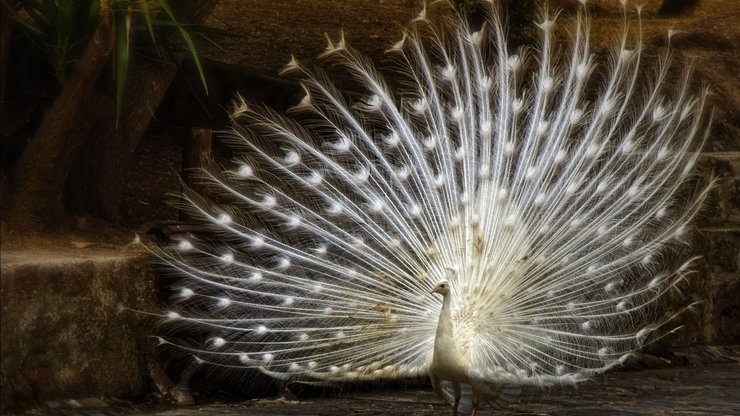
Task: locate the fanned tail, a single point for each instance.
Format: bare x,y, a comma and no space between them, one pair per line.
546,189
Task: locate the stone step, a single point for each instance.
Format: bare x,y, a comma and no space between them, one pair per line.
62,330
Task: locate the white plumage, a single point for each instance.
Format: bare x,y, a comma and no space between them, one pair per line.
536,191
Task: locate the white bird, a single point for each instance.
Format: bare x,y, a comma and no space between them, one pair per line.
537,191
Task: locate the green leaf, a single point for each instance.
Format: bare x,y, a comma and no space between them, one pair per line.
60,29
21,21
122,54
149,20
188,40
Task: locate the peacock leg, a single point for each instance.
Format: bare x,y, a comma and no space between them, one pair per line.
476,399
435,385
456,389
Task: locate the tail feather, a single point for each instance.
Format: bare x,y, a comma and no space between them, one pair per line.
549,198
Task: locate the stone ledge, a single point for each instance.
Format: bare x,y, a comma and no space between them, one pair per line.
63,332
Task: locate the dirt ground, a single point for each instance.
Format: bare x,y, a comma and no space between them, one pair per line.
704,390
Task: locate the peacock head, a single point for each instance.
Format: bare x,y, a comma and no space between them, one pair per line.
442,287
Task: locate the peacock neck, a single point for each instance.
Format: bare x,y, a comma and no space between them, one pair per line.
444,324
447,361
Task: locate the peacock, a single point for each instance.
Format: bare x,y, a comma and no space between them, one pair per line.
490,217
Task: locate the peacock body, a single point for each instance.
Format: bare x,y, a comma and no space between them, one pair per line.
536,193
